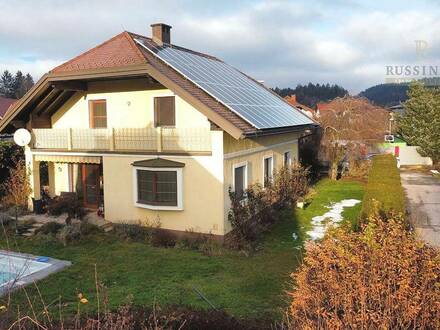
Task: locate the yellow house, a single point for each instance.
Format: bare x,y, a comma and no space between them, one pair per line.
143,129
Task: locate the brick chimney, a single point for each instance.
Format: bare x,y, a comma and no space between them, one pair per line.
161,33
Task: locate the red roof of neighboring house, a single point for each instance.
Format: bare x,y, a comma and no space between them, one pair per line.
5,103
322,106
291,99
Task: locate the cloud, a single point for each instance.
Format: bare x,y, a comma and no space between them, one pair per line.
281,42
36,68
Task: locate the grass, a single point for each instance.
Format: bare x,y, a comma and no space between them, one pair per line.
246,286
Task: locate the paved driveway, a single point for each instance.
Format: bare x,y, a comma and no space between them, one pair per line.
423,193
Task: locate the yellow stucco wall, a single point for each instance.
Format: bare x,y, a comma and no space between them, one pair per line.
202,192
61,177
128,106
206,179
233,145
253,153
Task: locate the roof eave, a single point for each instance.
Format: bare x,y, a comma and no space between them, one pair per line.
280,130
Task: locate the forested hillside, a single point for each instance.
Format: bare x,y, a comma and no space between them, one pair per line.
311,94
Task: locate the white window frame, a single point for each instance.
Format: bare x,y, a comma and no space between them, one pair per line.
290,157
165,94
271,170
236,165
178,207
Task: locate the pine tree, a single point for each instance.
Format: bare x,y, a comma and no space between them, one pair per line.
7,85
28,82
19,89
420,124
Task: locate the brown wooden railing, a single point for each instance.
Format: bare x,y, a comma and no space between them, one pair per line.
123,139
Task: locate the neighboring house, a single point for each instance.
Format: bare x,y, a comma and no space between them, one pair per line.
291,99
406,154
5,103
147,129
399,109
321,107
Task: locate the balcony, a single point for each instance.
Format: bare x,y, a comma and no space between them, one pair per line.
157,140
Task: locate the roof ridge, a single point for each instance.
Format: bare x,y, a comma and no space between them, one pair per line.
127,34
123,33
178,47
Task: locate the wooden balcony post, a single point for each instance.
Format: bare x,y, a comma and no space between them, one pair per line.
112,139
159,138
69,139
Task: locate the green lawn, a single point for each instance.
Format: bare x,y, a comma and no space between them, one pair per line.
245,286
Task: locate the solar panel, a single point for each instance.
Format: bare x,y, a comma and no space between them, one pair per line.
241,94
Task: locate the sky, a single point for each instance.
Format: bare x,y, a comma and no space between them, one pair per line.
284,43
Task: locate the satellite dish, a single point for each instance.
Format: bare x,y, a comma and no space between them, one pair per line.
22,137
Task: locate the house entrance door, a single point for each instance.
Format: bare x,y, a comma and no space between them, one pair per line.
91,185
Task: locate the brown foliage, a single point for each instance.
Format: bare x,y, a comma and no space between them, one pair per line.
379,278
349,126
253,215
17,186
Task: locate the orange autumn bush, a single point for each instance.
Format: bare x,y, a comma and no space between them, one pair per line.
379,278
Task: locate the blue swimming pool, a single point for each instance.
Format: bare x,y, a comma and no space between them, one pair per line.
6,277
18,269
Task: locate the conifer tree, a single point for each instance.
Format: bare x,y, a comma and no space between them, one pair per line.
19,89
420,124
7,85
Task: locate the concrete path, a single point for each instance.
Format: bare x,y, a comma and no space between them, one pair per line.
423,194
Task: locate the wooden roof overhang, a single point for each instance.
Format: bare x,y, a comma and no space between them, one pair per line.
54,89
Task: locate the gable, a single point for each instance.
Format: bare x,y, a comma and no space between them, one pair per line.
115,52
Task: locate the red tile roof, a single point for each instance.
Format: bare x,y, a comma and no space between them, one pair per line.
115,52
291,99
322,106
5,103
122,51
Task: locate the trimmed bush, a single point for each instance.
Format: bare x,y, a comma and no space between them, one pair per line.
383,188
69,234
68,203
163,238
51,227
87,228
379,278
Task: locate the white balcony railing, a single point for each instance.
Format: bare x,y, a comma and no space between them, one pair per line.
124,139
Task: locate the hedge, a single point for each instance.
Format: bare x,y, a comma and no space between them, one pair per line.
384,186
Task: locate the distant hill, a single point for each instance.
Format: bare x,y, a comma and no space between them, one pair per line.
386,95
311,94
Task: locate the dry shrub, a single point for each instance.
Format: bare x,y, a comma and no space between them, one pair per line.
257,212
379,278
17,187
359,169
290,183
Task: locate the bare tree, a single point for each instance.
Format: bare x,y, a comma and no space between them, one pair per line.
350,126
18,187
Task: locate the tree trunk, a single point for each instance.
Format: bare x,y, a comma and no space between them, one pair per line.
333,171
